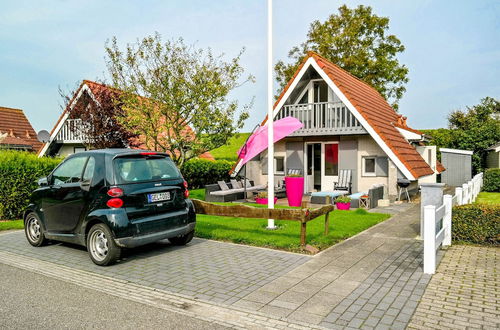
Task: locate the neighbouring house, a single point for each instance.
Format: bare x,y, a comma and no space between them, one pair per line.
67,138
347,125
458,165
16,131
493,156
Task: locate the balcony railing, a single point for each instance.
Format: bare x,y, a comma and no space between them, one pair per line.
324,118
72,132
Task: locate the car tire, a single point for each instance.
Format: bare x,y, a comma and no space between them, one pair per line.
101,245
33,230
182,240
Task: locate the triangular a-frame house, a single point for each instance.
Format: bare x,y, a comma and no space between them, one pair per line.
347,125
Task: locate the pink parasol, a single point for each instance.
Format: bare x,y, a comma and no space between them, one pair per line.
257,142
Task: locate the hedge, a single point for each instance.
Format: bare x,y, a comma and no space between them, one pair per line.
200,172
492,180
476,223
19,173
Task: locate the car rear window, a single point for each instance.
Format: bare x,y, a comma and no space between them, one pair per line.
136,169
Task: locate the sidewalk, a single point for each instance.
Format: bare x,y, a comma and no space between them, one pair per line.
372,280
464,292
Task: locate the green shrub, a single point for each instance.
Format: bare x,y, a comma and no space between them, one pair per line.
476,223
492,180
19,173
200,172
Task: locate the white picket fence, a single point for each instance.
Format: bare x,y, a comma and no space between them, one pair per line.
437,219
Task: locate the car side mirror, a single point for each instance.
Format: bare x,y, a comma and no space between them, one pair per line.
85,185
43,182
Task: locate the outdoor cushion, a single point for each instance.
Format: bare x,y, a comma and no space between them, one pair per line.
257,187
357,195
332,194
222,185
236,184
226,192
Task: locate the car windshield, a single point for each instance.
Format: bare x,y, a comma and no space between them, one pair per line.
135,169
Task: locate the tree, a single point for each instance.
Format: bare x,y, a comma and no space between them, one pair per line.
176,96
357,41
100,120
476,129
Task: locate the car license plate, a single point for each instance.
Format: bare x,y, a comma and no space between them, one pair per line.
164,196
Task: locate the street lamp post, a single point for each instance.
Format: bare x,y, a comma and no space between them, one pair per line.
270,115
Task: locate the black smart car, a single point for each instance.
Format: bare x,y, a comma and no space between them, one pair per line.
111,199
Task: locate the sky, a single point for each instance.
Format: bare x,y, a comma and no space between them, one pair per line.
452,47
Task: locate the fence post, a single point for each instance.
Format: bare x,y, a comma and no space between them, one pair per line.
430,239
448,206
471,193
458,192
465,197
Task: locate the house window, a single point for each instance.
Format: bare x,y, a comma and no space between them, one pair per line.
368,166
279,165
331,159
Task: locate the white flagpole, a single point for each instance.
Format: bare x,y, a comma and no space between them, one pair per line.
270,117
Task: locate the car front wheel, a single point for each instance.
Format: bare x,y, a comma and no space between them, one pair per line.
33,230
101,246
182,240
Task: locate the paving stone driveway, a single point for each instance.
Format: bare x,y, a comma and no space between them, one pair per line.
464,293
208,270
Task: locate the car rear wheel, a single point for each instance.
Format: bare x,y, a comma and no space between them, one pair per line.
182,240
34,230
101,246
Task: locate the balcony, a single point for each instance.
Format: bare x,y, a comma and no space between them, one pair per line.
71,132
324,118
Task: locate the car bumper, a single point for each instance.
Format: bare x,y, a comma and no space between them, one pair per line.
133,241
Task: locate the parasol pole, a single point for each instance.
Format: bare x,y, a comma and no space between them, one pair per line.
270,116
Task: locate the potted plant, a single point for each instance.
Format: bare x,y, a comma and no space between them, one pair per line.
294,184
262,198
343,202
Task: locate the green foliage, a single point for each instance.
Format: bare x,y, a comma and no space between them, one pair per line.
229,151
287,236
343,199
179,85
476,128
19,172
358,41
476,223
200,172
492,180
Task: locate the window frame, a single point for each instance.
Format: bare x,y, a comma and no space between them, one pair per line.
276,172
51,178
363,166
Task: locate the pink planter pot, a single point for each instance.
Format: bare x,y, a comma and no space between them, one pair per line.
264,200
294,190
343,206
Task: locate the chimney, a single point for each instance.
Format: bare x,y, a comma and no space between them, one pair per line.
28,134
11,133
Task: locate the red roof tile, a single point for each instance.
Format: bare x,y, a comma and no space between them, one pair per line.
16,125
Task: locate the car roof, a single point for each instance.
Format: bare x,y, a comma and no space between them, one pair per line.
118,151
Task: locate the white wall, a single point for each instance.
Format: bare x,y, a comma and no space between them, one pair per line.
368,147
424,152
68,149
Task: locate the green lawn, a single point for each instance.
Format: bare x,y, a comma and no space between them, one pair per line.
488,198
14,224
343,224
229,150
197,194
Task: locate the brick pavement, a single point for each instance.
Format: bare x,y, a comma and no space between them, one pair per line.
208,270
373,280
464,293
